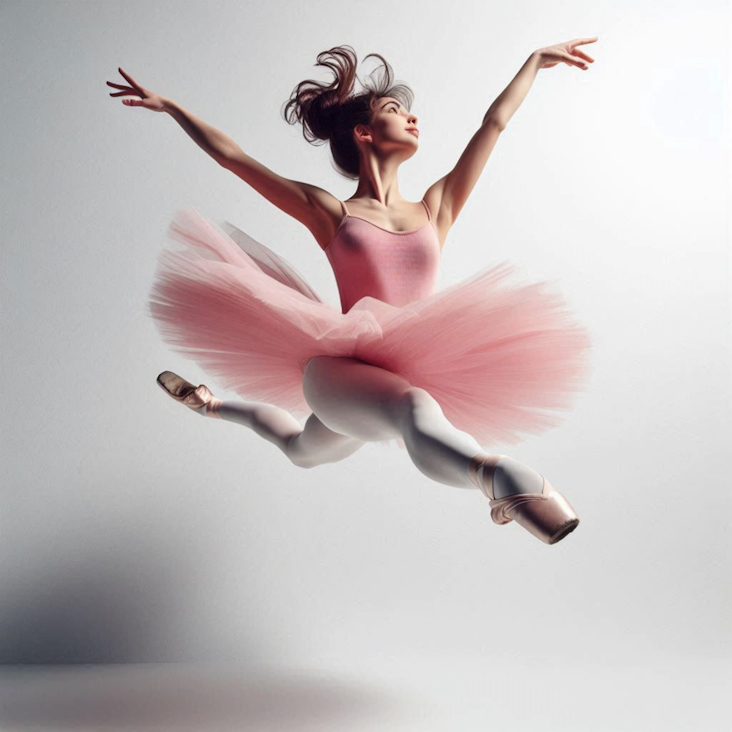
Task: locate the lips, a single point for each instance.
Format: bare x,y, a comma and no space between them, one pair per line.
414,131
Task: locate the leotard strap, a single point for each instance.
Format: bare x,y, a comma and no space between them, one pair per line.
429,213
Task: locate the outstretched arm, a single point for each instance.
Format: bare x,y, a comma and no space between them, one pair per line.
455,187
208,138
299,200
509,100
211,140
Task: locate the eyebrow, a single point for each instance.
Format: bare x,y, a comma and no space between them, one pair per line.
391,101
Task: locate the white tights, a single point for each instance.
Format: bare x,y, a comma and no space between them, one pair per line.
355,402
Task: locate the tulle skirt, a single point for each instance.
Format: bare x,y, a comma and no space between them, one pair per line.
500,356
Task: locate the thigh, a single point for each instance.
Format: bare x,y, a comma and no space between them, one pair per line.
355,398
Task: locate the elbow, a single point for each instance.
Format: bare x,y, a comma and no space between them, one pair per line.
223,160
494,121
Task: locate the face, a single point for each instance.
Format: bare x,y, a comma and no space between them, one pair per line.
392,127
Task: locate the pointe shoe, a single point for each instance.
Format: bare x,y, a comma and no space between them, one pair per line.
198,398
547,515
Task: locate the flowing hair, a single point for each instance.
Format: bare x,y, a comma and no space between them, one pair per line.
329,112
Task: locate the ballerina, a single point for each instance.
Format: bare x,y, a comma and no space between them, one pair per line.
437,371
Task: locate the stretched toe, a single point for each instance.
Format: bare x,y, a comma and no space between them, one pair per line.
518,493
175,385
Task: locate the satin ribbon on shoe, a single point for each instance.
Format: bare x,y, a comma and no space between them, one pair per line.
201,399
212,403
481,470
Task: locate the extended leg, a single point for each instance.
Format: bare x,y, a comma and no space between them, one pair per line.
354,402
307,447
371,404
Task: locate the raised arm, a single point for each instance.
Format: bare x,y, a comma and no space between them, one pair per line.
293,197
453,189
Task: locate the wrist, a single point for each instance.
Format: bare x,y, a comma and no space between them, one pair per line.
169,105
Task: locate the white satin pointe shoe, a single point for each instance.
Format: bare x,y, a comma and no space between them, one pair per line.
198,398
548,515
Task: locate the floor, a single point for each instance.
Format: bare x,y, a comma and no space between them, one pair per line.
421,695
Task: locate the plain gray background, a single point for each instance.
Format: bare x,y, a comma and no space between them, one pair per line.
134,532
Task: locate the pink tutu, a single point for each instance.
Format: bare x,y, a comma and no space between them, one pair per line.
499,357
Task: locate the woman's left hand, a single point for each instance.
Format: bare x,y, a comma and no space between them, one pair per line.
566,53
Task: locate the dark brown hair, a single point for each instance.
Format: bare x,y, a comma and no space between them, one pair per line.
329,112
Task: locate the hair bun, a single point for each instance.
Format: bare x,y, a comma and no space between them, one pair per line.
329,112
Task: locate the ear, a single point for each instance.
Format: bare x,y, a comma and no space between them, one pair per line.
363,133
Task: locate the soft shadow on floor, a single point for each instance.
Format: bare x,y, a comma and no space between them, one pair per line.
202,697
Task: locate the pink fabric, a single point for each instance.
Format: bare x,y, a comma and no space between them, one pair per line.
499,356
396,267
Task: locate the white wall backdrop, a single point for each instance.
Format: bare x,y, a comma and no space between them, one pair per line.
135,532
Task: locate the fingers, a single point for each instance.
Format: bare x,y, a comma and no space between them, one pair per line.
572,48
133,83
582,41
571,60
126,90
135,88
583,55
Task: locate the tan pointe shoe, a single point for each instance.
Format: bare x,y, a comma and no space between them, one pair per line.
547,515
198,398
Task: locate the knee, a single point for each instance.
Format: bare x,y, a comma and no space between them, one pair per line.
416,399
297,457
417,403
302,462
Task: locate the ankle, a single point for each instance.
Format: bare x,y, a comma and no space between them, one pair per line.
498,476
511,477
212,408
481,469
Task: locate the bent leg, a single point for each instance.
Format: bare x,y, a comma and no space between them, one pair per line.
306,447
371,404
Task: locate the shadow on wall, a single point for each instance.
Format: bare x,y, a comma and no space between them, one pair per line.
122,598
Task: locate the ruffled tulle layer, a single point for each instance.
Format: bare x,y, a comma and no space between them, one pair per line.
499,356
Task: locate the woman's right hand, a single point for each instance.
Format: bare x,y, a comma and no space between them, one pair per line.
147,99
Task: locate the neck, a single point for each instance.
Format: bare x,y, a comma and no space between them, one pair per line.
379,181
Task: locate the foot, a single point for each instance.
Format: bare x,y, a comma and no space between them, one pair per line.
198,398
517,492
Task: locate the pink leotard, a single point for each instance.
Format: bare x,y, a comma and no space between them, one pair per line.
494,353
397,267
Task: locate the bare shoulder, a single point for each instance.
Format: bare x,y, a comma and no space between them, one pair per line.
312,206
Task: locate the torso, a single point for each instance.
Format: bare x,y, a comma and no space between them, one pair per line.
409,217
391,265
